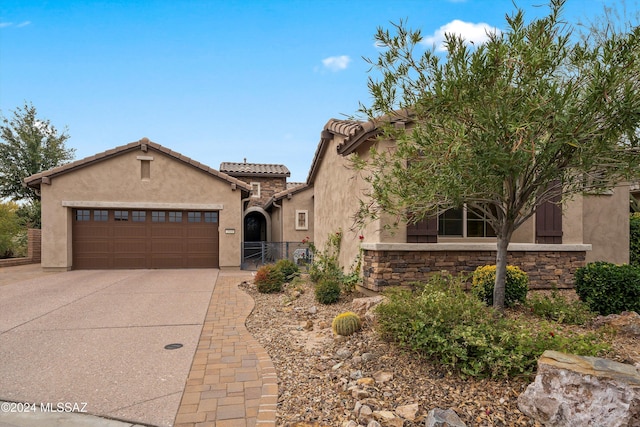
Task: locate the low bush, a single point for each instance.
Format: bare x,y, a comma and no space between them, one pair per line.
441,322
327,291
608,288
557,308
269,279
288,268
516,284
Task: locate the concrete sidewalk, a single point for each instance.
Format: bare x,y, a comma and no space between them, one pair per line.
98,338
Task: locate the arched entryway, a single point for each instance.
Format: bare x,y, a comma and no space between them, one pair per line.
255,227
256,234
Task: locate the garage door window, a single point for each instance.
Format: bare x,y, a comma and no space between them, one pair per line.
83,215
175,216
211,217
158,216
138,216
121,215
101,216
194,216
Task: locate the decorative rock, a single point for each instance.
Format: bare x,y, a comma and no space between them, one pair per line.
365,381
361,306
368,357
337,366
387,418
312,310
365,411
627,322
308,326
443,418
587,391
373,423
350,423
323,325
355,375
382,377
356,360
358,393
343,353
408,412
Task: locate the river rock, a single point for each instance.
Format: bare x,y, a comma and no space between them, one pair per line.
582,391
408,412
443,418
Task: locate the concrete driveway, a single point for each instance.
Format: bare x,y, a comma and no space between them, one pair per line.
97,339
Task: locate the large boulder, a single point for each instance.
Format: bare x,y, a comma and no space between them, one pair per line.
627,322
574,390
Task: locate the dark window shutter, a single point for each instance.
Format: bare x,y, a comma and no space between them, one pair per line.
549,222
425,231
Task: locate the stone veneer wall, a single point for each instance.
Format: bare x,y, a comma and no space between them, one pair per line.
34,250
546,268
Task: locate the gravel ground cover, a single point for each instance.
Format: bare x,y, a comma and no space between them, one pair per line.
325,380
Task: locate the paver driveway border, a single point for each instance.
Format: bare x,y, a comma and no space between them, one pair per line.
232,382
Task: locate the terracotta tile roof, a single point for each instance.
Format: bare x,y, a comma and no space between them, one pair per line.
254,169
298,187
354,133
144,145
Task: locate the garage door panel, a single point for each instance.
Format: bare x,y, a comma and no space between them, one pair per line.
143,243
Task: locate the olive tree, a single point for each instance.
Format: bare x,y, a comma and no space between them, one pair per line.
502,127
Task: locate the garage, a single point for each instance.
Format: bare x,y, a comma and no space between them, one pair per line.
127,238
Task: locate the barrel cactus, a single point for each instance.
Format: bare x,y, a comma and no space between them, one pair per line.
346,324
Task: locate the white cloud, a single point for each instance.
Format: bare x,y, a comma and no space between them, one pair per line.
11,24
23,24
470,32
336,63
5,24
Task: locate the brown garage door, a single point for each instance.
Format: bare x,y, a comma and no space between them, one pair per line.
111,239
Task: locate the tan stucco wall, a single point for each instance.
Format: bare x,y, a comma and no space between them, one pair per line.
337,192
118,179
572,220
606,226
302,200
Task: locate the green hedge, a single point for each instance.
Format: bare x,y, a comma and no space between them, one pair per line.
609,288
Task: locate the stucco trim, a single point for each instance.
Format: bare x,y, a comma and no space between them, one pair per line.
142,205
522,247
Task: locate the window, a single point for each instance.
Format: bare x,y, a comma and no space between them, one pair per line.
158,216
175,216
211,217
83,215
101,216
194,216
145,170
302,222
121,215
138,216
255,189
464,222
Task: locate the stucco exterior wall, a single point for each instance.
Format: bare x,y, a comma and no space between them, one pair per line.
606,226
302,200
337,192
119,180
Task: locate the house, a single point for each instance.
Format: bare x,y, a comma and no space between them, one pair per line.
142,205
549,247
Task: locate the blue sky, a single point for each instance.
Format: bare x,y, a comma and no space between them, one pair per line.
218,81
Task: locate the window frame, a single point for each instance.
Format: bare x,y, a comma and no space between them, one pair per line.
255,189
305,226
465,225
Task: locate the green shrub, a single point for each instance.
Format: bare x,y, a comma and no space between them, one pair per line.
559,309
288,268
516,284
608,288
327,291
269,279
346,324
442,323
634,239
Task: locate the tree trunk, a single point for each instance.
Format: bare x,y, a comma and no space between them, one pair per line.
501,274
